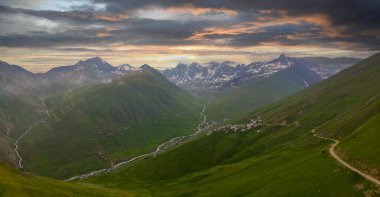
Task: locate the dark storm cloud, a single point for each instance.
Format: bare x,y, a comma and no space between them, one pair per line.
70,16
358,19
134,31
360,13
44,39
354,22
341,12
291,35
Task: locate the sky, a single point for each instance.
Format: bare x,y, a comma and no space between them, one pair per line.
42,34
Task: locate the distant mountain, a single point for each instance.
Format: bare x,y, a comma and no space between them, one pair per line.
326,67
95,64
94,70
238,101
215,75
124,69
15,79
197,76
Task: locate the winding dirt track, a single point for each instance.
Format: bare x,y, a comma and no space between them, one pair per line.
336,157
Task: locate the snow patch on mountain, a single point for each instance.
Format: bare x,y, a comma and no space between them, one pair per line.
218,74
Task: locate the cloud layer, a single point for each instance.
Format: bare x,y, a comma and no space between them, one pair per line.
117,25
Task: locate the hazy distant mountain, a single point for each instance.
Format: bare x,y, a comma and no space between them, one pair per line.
326,67
94,70
253,94
216,75
15,79
124,69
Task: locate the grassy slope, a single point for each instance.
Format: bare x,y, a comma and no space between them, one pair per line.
16,115
360,146
16,183
253,95
19,107
280,160
128,117
239,101
6,150
289,162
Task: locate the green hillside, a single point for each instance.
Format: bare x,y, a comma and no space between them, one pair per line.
7,153
275,160
248,97
93,126
255,94
360,147
16,116
19,107
17,183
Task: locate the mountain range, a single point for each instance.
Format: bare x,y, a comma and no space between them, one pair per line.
213,75
258,92
94,70
226,74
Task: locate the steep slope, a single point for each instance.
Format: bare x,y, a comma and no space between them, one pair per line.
99,125
16,183
20,106
280,156
239,101
18,100
358,147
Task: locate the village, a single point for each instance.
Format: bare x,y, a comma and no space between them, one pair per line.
253,123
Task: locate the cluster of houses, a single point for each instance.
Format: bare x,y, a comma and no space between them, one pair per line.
253,123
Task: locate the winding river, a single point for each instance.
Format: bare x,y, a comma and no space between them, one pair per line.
26,132
162,147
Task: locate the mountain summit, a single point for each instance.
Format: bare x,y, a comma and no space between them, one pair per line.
95,64
93,70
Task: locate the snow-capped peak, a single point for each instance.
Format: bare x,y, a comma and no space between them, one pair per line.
217,74
125,67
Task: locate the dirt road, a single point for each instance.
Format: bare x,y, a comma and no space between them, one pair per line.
340,160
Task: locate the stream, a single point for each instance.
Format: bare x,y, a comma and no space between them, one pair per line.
26,132
162,147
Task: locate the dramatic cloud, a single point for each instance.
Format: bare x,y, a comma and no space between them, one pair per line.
186,29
